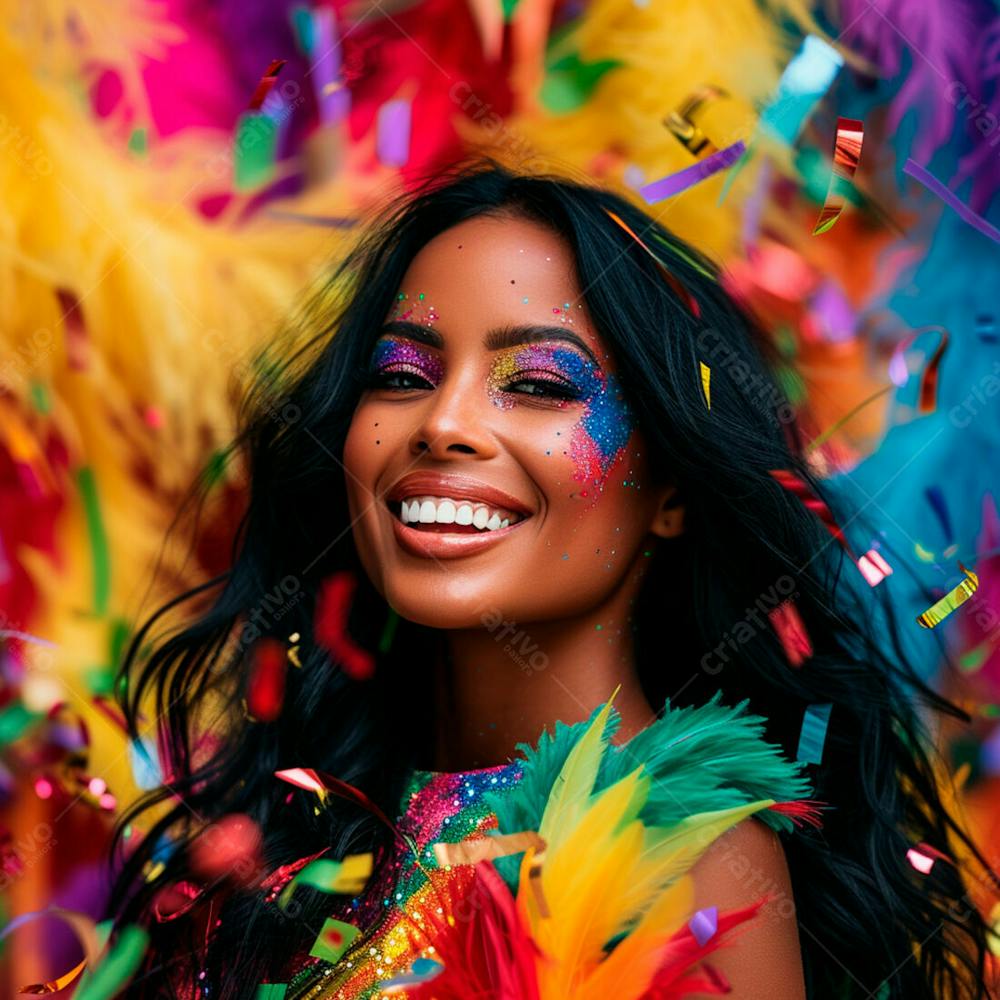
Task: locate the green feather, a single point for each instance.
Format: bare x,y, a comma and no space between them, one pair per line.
699,759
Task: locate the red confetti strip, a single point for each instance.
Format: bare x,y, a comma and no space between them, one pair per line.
846,155
795,485
332,611
791,630
266,690
267,82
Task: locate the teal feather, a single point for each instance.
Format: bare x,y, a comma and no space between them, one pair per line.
699,759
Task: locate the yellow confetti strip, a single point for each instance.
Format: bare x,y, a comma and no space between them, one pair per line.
936,613
706,380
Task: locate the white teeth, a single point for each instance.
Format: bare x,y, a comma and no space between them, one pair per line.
443,510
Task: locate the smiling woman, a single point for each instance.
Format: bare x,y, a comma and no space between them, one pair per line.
511,488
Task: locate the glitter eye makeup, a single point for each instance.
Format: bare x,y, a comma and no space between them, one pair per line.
565,376
396,360
558,375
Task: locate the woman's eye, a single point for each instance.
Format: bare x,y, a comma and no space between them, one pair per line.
398,380
543,387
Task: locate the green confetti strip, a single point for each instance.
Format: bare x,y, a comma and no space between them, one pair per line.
333,940
271,991
110,975
570,81
99,554
255,147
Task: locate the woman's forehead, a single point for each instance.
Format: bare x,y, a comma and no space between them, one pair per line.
490,272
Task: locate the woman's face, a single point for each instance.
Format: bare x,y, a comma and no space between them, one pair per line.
493,463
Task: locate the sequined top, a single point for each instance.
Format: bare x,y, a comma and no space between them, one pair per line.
389,914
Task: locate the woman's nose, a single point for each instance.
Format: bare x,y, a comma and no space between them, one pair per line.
454,422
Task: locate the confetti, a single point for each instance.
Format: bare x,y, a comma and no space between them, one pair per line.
107,979
255,147
706,383
347,877
846,155
874,568
937,612
923,856
266,686
227,847
332,612
788,625
271,991
392,133
422,970
334,101
471,852
935,497
704,924
683,124
265,84
813,734
87,933
674,183
333,940
929,181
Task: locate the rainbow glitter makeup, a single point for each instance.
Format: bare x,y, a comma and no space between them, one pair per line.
607,422
396,354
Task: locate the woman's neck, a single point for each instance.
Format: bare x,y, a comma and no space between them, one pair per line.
504,683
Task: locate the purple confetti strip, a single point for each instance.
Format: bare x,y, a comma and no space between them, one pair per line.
929,181
392,142
673,184
704,924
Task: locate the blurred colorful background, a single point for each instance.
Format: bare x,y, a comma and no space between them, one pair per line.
174,177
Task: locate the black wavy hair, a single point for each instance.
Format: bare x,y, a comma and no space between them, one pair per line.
869,923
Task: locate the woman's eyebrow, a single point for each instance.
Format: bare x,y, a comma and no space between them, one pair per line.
496,340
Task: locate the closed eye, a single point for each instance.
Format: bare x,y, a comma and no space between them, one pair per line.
545,387
400,380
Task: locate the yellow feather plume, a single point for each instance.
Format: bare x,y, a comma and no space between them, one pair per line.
605,873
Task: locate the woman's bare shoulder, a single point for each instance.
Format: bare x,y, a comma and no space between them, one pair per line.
739,868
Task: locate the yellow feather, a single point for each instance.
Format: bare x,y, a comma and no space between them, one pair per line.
607,874
572,788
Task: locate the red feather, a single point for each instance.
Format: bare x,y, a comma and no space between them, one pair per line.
487,953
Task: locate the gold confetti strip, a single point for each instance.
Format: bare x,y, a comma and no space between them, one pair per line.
706,380
471,852
683,123
936,613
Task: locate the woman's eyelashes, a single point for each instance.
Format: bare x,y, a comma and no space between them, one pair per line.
537,373
402,365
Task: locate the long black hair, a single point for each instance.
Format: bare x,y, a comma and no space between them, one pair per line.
869,922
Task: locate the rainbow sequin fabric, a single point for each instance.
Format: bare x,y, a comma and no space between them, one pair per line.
393,909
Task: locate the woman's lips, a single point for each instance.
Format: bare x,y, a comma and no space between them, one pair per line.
439,544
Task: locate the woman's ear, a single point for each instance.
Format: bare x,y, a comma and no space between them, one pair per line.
668,521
